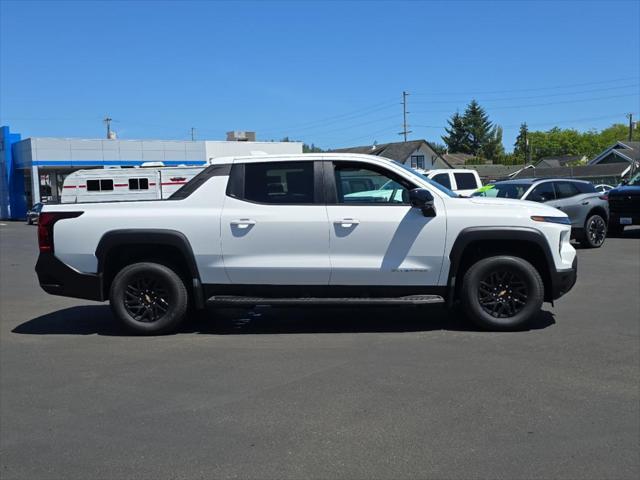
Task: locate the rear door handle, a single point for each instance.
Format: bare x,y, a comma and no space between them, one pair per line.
585,203
243,223
347,222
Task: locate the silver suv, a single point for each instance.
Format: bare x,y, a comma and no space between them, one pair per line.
587,208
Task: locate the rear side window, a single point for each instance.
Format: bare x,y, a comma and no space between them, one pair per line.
99,185
278,183
465,181
586,187
566,190
138,184
442,179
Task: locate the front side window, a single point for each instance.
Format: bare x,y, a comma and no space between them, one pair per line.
465,181
99,185
276,182
356,184
442,179
542,193
566,190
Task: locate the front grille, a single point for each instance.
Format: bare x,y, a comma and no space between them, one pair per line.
625,204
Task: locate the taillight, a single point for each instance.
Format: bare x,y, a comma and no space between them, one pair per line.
604,197
46,220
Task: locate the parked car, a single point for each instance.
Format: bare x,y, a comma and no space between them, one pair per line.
587,209
603,188
460,180
34,213
280,230
624,205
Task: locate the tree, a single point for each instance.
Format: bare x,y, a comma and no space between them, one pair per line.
494,149
311,148
456,134
478,128
439,148
520,147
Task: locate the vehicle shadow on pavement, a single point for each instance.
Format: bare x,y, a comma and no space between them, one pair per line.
98,320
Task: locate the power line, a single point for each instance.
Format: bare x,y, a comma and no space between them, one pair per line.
544,104
533,96
558,122
532,89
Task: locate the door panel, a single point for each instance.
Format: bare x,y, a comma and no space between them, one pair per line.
376,237
275,242
568,199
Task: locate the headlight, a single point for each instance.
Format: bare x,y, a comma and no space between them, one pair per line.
561,220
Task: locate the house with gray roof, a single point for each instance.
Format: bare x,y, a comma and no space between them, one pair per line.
559,160
415,153
621,152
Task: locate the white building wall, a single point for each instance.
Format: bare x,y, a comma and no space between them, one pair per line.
216,149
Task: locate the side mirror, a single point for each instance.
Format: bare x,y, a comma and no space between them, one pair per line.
422,199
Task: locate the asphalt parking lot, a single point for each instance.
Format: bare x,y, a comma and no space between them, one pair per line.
322,393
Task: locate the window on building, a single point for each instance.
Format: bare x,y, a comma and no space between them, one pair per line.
465,181
417,161
442,179
99,185
138,184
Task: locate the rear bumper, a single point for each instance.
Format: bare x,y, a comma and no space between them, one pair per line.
563,280
57,278
614,219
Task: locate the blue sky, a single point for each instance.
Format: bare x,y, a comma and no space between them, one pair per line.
331,73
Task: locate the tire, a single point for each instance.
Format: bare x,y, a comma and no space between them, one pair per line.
502,293
595,232
29,221
149,298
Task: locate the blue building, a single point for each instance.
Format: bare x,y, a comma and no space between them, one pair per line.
33,169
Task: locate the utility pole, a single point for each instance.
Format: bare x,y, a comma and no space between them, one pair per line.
404,131
193,134
108,121
630,117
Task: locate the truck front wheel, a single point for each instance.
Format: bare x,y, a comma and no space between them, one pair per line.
502,293
148,298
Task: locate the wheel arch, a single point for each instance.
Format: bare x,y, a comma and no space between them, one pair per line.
118,248
475,243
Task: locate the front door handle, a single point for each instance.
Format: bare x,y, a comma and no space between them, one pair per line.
347,222
243,223
585,202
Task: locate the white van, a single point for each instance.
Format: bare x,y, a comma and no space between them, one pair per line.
461,180
125,184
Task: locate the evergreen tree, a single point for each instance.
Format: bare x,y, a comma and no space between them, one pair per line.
520,147
456,137
493,149
478,128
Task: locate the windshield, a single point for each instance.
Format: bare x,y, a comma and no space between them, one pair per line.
503,190
444,190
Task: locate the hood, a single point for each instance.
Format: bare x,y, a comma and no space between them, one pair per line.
625,190
534,208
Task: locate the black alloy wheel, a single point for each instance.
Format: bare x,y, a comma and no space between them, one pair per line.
595,232
146,298
502,293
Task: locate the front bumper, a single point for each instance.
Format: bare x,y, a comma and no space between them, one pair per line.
563,280
57,278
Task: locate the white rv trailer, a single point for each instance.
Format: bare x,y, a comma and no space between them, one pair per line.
150,182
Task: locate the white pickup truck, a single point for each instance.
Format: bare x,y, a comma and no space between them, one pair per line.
308,229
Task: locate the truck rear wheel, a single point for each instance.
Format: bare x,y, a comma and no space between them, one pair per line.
502,293
149,298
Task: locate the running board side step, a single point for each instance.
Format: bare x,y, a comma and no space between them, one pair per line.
219,300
